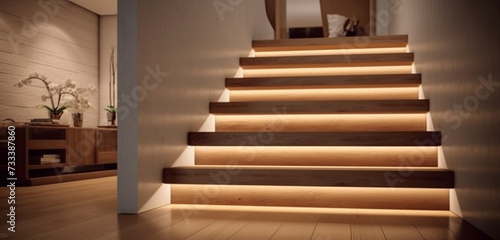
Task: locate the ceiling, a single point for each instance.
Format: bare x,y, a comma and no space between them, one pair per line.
101,7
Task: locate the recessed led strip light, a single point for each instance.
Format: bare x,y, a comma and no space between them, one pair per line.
326,71
347,51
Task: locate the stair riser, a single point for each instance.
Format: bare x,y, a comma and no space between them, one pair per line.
325,94
326,71
375,198
321,123
318,156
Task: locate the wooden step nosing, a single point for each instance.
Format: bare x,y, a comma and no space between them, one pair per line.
355,60
380,177
321,107
331,43
269,138
360,81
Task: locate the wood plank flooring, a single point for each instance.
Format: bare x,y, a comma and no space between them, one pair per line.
87,210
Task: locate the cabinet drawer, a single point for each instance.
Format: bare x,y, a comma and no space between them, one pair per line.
107,157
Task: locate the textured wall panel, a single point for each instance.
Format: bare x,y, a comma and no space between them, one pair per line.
54,38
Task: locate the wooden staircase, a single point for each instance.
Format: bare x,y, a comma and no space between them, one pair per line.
319,123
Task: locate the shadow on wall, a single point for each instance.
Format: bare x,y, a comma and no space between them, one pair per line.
456,51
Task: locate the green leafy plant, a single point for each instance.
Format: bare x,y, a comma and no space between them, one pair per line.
110,109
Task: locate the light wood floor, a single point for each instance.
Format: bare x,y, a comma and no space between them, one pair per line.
87,210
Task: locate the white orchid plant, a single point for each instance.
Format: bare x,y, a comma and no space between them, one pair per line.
66,96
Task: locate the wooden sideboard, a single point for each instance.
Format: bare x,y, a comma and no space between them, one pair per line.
73,153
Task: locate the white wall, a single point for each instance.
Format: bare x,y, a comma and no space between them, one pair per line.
108,34
456,50
174,56
57,39
303,13
383,16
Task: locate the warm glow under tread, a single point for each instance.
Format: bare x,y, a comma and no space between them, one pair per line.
324,94
326,71
318,156
329,197
319,52
321,122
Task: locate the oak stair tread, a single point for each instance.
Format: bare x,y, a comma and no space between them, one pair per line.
349,81
321,107
355,60
331,43
263,138
311,176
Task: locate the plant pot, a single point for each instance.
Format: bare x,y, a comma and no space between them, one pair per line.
55,116
77,119
111,118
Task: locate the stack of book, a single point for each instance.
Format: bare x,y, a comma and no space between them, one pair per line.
41,121
50,158
48,122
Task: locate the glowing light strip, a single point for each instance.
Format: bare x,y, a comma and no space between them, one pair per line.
324,94
318,156
350,51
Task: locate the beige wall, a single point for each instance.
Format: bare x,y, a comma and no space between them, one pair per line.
457,51
108,34
174,56
303,13
383,16
53,38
